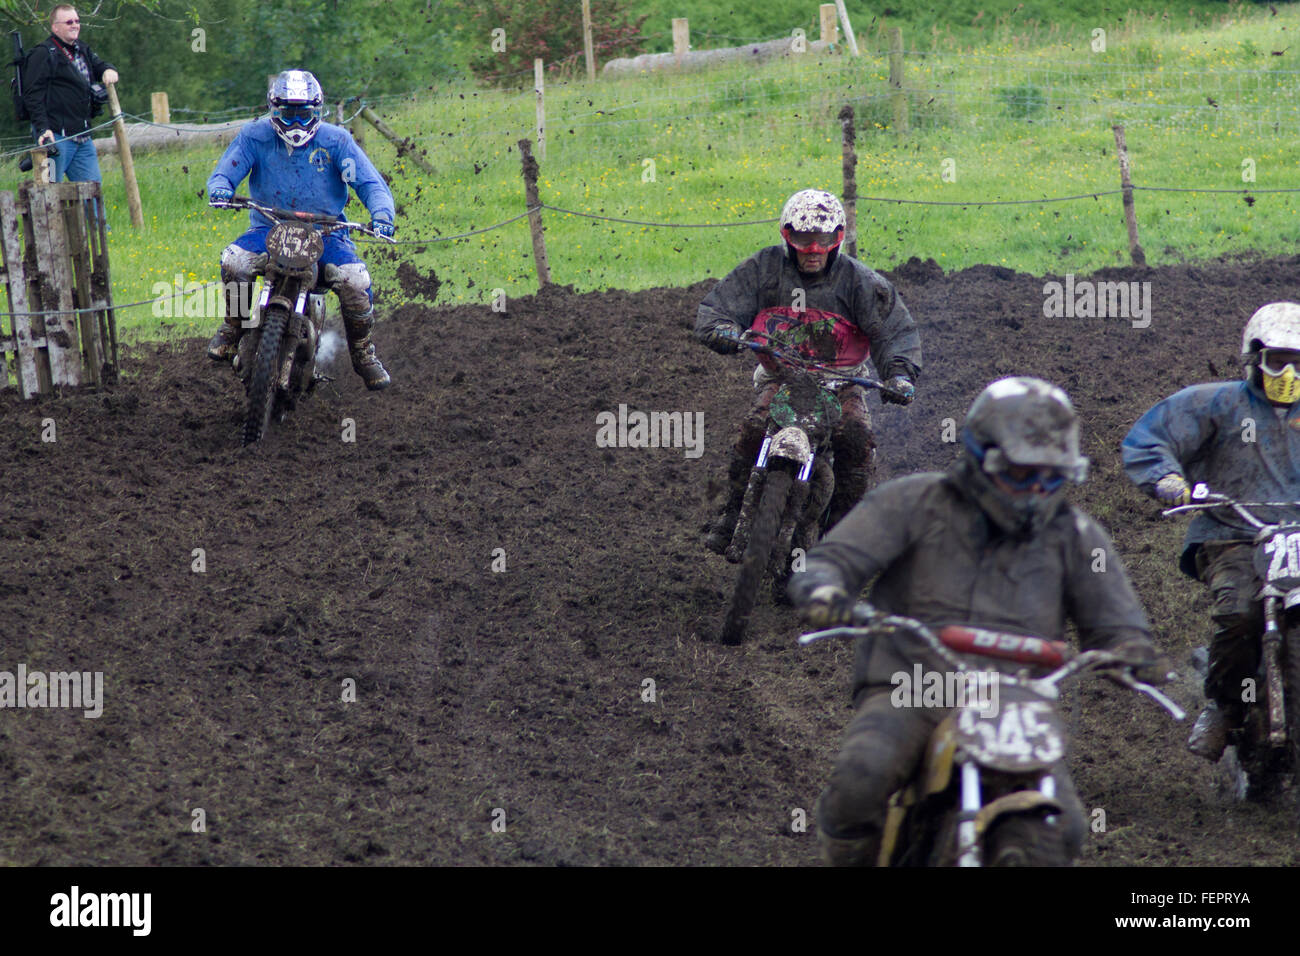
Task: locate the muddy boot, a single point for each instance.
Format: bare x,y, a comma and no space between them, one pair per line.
364,361
724,526
225,343
1210,734
838,851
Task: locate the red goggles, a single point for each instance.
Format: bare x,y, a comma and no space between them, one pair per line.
813,243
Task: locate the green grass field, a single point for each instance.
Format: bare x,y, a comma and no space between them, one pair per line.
1013,119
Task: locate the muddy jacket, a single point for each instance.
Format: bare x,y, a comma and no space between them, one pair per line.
313,178
1228,435
841,316
941,561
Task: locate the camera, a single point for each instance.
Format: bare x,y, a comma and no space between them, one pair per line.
25,164
98,97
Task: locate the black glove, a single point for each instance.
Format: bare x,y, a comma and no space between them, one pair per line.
898,390
724,339
1148,664
828,606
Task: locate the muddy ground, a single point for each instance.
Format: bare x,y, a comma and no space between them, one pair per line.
515,697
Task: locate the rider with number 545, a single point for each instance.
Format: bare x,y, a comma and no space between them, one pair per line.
989,544
295,161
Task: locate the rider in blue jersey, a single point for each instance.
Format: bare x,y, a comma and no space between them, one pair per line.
294,160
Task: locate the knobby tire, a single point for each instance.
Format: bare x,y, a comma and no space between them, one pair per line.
265,379
762,536
1023,840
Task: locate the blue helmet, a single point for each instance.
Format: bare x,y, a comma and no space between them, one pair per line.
297,105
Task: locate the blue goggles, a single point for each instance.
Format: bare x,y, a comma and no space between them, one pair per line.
293,115
1046,477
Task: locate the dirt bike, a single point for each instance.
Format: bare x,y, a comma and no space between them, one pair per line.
791,483
985,792
276,359
1263,755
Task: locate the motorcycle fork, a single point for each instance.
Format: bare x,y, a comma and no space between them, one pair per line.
794,515
753,491
1271,645
968,848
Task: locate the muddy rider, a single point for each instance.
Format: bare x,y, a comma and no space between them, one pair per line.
1242,439
842,313
294,160
989,543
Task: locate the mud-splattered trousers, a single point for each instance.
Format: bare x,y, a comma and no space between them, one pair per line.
341,269
934,555
1229,436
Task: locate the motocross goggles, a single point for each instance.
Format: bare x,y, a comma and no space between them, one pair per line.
813,243
1277,361
297,114
1019,478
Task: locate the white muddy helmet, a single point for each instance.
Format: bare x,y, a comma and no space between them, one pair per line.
813,211
1271,344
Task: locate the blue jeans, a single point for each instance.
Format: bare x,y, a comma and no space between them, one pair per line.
76,162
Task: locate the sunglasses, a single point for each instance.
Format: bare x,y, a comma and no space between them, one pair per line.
1275,361
813,243
70,23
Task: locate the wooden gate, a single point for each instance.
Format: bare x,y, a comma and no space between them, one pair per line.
60,328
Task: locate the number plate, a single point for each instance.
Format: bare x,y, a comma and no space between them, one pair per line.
1018,736
292,246
1277,557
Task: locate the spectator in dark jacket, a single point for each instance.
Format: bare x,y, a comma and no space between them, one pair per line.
58,95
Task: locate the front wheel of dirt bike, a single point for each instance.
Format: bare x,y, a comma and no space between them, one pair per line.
1023,840
265,378
762,536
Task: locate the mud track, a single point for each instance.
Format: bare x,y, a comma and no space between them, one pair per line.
516,695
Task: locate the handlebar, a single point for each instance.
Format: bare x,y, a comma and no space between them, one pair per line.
332,223
799,361
1203,499
868,621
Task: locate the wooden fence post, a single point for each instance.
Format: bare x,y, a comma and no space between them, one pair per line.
849,167
539,83
1130,214
681,38
898,97
848,27
586,41
534,213
162,111
355,126
124,154
830,29
404,146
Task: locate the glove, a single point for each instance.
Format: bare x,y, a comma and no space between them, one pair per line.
1173,489
724,339
898,390
382,228
1149,666
219,197
828,606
